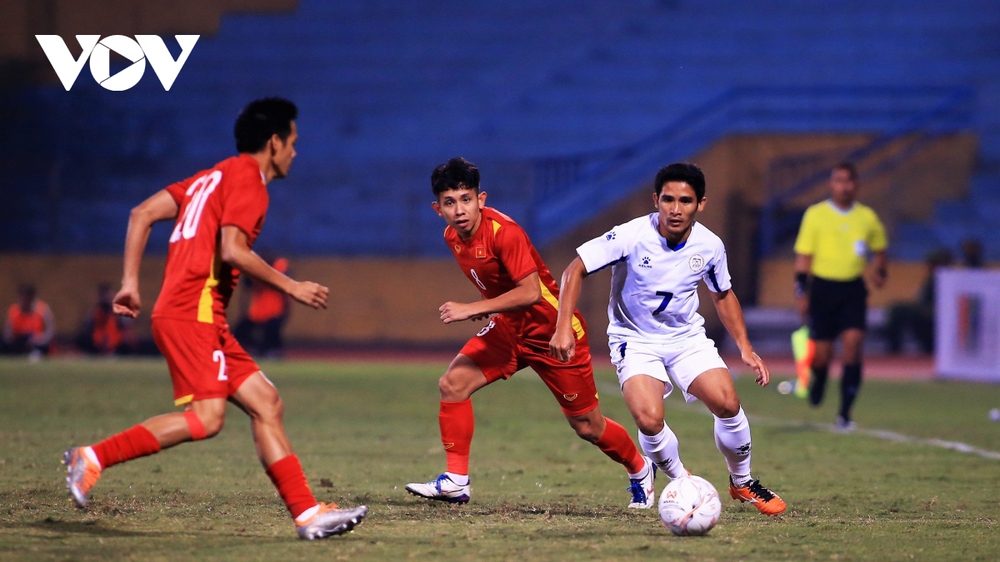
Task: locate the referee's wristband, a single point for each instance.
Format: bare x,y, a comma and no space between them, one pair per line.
801,283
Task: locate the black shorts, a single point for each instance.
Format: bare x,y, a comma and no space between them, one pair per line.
835,306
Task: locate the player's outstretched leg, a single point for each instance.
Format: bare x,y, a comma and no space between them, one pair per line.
85,464
258,397
457,423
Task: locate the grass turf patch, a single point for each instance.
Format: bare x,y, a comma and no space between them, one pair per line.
363,431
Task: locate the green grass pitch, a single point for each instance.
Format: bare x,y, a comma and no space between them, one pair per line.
363,431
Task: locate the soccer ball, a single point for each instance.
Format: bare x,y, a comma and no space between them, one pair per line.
689,506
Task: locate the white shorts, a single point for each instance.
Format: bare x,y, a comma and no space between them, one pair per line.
683,363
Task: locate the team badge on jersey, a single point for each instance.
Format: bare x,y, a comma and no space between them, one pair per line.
458,248
481,252
696,263
570,397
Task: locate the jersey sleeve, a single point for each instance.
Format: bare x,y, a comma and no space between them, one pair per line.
717,273
515,252
805,242
243,205
600,252
877,240
179,190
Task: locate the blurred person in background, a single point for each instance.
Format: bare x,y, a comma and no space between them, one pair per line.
917,317
103,332
30,326
260,328
832,250
972,253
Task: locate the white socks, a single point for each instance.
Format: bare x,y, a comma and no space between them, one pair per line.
662,449
732,437
460,479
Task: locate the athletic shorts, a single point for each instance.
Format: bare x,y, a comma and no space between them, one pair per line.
205,360
497,350
681,362
835,306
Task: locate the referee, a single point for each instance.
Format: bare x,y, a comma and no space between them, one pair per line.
831,251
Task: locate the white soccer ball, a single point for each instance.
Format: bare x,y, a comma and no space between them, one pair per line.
689,506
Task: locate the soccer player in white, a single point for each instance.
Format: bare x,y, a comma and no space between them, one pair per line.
656,334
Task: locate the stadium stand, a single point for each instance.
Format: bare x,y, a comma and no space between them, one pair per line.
391,89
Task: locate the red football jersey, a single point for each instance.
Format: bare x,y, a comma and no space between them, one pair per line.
196,284
499,255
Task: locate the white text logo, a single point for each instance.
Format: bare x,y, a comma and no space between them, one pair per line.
98,51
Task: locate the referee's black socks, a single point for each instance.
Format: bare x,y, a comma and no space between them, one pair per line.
849,385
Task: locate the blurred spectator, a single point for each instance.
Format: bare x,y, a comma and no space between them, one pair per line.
972,253
30,325
260,329
917,317
104,332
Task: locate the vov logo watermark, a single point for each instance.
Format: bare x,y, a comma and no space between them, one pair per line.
98,51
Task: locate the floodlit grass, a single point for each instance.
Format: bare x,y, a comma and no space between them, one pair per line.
363,431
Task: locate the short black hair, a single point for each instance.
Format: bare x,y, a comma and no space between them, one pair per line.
851,169
457,173
686,172
261,119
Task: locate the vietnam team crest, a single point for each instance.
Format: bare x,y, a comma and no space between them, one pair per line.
458,248
481,252
696,263
570,397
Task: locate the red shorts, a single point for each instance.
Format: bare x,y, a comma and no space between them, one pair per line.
499,352
205,360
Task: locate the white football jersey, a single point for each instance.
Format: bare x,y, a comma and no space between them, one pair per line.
654,288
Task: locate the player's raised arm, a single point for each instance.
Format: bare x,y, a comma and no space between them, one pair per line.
527,292
160,206
562,346
235,251
731,315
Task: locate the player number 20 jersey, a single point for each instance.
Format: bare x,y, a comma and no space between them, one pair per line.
197,285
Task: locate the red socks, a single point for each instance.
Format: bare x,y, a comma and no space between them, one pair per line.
618,446
457,425
290,480
130,444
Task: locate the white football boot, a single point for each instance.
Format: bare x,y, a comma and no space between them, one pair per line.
442,488
644,489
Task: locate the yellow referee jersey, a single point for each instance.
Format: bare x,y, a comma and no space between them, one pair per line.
839,241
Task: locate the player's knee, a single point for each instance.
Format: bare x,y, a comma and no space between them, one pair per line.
204,426
450,390
586,429
726,408
648,422
272,409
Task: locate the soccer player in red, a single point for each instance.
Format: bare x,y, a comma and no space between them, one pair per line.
522,297
219,213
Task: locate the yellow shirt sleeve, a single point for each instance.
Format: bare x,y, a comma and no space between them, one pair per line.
805,242
877,239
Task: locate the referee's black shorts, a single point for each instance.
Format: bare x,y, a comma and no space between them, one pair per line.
835,306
